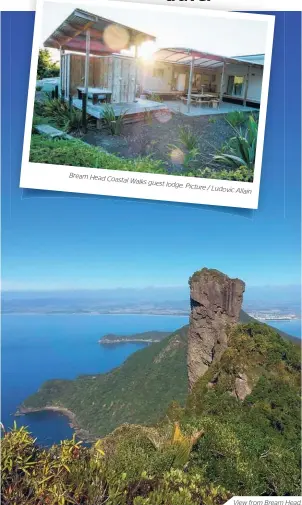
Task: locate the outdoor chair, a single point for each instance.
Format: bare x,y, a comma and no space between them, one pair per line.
205,102
102,98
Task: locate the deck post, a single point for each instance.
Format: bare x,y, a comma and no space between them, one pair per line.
221,83
86,83
190,84
62,74
61,70
135,74
246,85
86,78
84,112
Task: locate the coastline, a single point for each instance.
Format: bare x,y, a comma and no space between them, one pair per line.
128,341
80,432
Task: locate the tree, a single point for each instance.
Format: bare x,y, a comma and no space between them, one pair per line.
46,67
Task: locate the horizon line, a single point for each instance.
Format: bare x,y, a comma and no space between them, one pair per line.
140,288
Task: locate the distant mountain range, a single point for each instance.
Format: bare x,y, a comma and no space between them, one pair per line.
150,300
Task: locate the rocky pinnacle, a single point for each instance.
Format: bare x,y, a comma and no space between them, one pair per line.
215,306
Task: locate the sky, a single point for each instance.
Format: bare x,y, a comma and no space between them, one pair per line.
209,32
58,241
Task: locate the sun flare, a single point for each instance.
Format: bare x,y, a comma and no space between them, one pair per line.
146,50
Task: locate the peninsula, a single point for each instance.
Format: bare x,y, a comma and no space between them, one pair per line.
145,337
225,375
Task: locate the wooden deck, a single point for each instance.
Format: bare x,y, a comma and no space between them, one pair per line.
197,109
140,106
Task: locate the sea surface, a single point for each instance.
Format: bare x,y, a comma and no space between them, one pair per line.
292,327
36,348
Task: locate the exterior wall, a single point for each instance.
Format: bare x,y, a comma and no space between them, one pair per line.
168,82
112,72
254,84
118,73
122,79
148,81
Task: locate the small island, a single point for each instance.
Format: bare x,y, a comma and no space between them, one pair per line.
145,337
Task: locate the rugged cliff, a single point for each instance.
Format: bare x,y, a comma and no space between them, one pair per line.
216,302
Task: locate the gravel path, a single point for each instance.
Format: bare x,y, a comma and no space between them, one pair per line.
154,138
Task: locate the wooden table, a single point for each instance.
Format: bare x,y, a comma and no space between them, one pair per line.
202,96
94,93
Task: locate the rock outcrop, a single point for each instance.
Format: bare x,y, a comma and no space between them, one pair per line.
215,306
242,388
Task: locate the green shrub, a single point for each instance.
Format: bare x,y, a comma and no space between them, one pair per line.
155,98
70,474
240,174
60,114
78,154
112,122
188,138
240,150
236,118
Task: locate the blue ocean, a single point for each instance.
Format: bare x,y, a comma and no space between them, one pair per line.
36,348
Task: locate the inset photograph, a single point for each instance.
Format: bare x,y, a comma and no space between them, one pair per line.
170,92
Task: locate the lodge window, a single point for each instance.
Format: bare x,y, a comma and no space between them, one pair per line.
235,85
158,72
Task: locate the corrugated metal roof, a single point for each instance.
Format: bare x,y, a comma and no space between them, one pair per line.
255,59
183,56
106,36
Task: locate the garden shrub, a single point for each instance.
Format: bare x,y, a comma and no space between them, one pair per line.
236,117
112,122
240,151
78,154
60,114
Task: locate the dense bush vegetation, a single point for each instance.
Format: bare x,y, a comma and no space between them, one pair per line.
248,447
70,474
137,392
251,447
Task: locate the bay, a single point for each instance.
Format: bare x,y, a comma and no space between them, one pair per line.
36,348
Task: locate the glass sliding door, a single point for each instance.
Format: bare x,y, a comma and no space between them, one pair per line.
235,85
